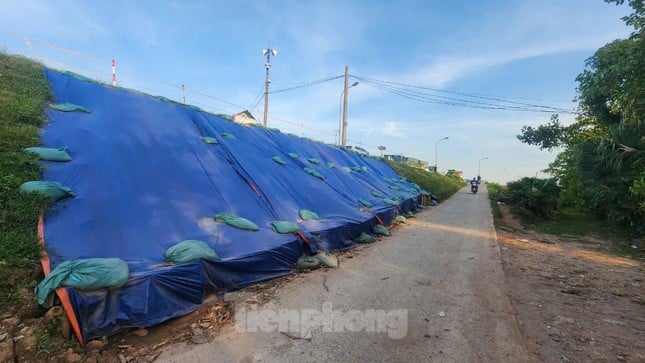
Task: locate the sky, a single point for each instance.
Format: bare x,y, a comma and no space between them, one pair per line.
522,51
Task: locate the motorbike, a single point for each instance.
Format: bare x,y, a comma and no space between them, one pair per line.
474,188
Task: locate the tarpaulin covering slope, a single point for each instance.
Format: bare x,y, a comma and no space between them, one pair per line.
145,180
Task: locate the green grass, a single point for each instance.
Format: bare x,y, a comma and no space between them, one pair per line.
50,340
23,94
440,185
575,222
495,190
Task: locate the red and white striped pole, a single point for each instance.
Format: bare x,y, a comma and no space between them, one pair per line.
113,73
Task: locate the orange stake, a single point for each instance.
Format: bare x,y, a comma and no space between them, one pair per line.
61,291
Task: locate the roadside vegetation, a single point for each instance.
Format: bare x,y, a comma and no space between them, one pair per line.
443,186
23,94
600,170
533,201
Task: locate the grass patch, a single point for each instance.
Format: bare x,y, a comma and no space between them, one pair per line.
50,340
494,191
579,223
23,95
441,185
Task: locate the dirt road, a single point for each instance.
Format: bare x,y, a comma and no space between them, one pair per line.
434,291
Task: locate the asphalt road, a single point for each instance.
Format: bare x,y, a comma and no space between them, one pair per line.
433,291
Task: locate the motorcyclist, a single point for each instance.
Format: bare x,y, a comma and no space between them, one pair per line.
474,185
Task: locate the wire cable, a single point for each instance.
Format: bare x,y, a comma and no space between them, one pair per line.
411,92
307,84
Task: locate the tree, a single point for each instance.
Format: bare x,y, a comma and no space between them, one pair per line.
602,165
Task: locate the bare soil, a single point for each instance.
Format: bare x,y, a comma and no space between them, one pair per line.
575,299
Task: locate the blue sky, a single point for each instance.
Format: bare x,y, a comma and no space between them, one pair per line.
525,51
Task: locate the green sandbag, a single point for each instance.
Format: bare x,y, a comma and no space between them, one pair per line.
69,107
285,227
209,140
228,135
365,203
52,190
273,129
364,168
356,168
381,230
164,99
308,263
312,172
235,221
292,155
190,250
50,153
314,161
378,194
390,201
330,165
409,214
307,215
347,169
400,219
394,187
365,238
86,274
278,160
434,203
327,259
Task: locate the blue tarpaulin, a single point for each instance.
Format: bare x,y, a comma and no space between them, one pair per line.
145,180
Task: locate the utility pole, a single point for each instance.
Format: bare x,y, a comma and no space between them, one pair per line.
344,144
268,52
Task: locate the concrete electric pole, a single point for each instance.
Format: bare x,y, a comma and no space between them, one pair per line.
268,52
345,95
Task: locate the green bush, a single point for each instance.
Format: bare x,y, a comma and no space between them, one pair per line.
495,193
540,196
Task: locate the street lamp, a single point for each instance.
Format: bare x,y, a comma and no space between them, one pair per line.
479,168
340,116
435,152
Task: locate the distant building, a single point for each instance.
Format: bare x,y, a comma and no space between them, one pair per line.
454,172
408,161
244,118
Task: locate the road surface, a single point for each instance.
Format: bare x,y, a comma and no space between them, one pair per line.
433,291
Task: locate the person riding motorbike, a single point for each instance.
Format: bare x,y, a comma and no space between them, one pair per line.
474,185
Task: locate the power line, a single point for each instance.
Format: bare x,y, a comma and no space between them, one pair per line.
307,84
410,92
467,94
256,100
460,102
